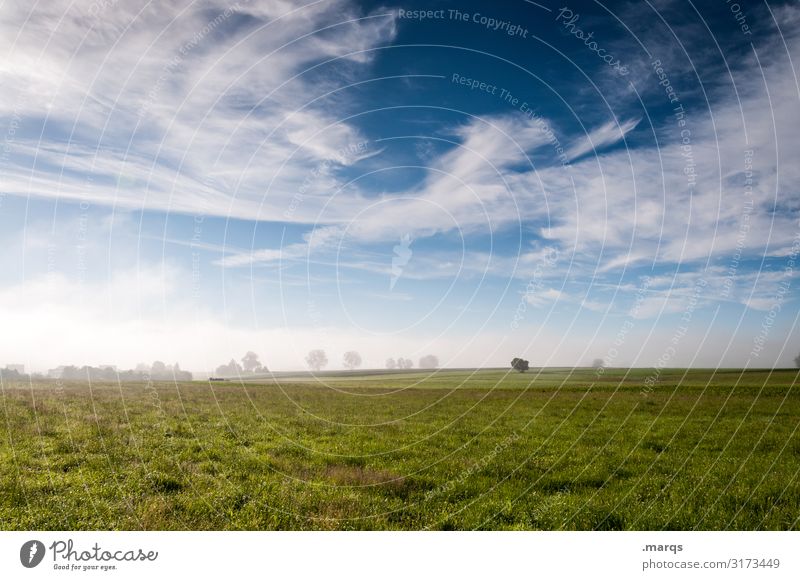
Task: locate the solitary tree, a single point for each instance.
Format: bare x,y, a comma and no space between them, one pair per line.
429,361
316,359
598,363
797,360
251,364
519,364
351,359
390,363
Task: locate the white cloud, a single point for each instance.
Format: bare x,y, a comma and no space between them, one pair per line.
599,138
183,107
203,148
541,297
635,207
236,131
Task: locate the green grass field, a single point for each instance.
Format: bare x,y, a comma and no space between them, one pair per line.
552,449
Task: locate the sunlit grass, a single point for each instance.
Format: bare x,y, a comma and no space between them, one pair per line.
557,449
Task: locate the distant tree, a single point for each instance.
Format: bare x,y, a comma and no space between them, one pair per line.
351,359
598,363
316,359
429,361
519,364
251,364
221,371
797,360
232,369
179,374
390,363
11,374
162,371
111,373
404,363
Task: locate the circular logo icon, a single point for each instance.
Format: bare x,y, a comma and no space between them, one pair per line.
31,553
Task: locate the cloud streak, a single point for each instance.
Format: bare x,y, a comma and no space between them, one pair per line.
601,137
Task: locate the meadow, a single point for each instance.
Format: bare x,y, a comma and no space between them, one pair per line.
549,449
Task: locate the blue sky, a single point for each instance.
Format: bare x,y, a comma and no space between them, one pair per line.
562,182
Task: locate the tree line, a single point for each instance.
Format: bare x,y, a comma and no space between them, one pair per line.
158,371
317,360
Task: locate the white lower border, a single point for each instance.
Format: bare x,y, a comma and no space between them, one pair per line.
404,555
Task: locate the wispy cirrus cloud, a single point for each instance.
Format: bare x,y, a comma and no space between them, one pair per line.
243,111
601,137
217,108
